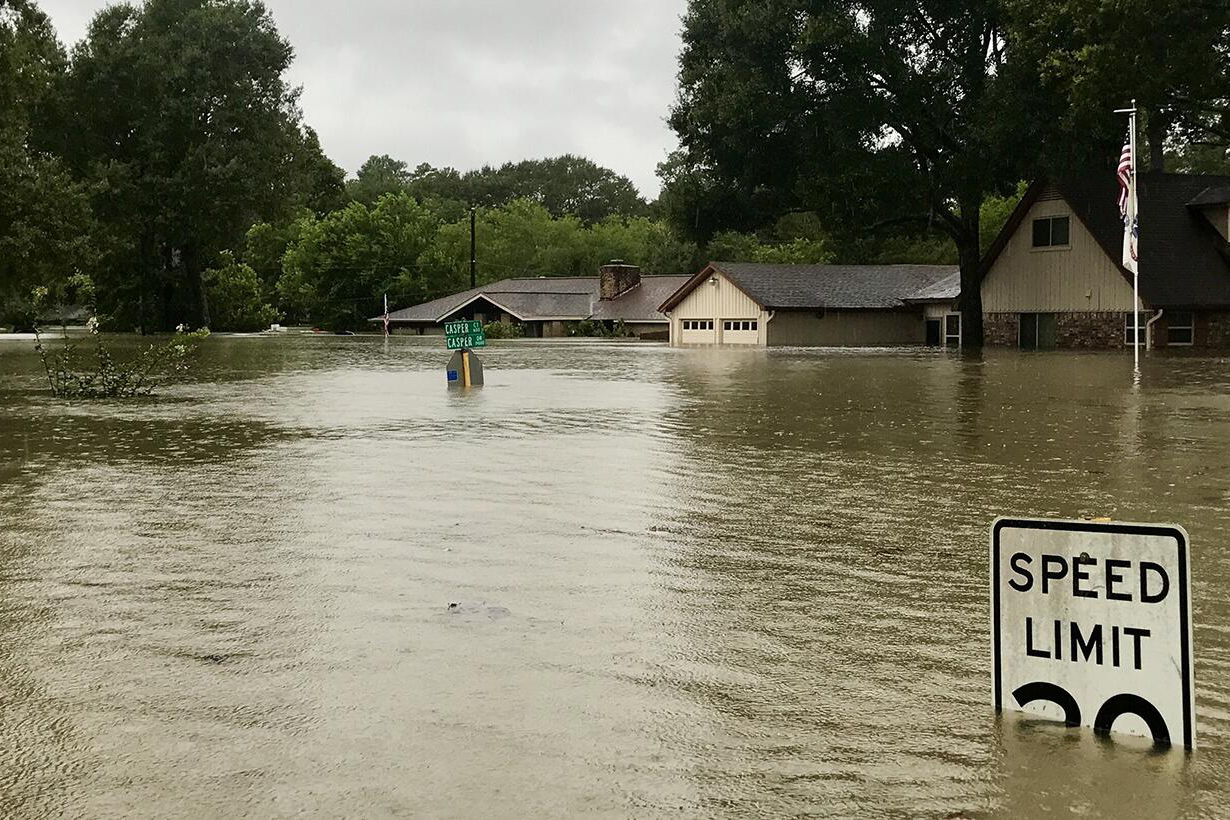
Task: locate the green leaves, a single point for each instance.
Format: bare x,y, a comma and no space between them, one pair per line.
336,268
70,377
565,186
235,297
180,110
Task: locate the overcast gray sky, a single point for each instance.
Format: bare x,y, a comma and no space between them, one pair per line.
468,82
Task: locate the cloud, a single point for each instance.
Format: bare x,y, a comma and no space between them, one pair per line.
467,83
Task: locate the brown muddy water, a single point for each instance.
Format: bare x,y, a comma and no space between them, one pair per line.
699,583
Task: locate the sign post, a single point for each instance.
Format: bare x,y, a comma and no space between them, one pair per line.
1091,624
464,368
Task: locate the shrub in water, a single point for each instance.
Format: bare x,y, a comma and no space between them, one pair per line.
70,378
503,330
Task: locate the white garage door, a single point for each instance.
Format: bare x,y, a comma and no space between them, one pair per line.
698,331
740,331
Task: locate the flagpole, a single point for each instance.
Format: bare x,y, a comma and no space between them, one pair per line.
1136,273
1132,192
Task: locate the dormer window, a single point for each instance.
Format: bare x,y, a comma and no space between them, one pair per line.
1052,232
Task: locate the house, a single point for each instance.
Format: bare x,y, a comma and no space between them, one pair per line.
542,305
731,303
1053,277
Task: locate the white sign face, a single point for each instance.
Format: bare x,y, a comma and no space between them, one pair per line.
1091,625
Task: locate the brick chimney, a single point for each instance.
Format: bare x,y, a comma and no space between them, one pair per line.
617,278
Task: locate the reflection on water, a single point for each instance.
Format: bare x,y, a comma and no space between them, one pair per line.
620,579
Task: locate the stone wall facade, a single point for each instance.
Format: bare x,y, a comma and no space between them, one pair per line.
1085,330
1094,331
1107,330
1213,330
617,279
1000,329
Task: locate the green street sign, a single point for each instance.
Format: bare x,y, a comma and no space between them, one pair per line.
470,340
463,328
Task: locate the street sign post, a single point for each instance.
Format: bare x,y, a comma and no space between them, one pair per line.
465,342
464,369
467,327
464,335
1091,625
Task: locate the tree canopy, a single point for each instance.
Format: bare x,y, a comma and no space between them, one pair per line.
180,110
45,217
1090,57
565,186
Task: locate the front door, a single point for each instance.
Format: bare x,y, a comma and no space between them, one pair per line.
933,332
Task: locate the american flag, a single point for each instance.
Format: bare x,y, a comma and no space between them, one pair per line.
1129,208
1125,177
386,314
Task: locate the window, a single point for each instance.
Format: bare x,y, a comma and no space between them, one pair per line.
1179,328
697,324
1037,331
1128,337
1052,232
739,324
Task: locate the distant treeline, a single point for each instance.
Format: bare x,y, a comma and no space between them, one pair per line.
166,159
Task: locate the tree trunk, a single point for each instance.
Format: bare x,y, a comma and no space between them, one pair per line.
969,255
971,294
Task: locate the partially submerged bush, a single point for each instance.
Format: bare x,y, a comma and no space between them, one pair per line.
70,378
158,364
597,328
503,330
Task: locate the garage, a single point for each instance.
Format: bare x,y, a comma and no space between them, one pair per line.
698,331
740,331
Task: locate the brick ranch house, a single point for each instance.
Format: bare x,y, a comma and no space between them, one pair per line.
1052,278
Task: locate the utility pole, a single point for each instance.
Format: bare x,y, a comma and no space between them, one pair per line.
473,255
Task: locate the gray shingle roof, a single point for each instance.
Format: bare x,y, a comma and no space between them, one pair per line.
851,287
641,303
1213,195
552,297
945,290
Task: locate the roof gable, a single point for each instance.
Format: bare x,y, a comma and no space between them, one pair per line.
1183,260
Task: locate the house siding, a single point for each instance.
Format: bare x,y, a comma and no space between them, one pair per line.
847,328
1080,278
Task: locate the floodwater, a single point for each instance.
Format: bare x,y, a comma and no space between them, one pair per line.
620,580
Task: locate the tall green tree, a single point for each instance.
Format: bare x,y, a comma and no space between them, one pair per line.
826,104
1092,56
378,176
45,218
565,186
335,269
181,111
